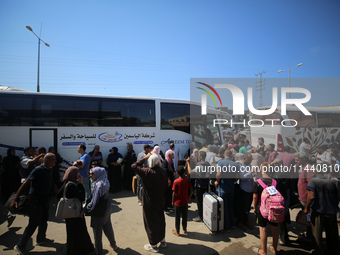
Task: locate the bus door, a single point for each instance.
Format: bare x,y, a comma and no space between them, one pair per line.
41,137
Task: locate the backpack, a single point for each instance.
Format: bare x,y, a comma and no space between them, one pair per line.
271,203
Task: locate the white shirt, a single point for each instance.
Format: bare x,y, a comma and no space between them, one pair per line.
177,153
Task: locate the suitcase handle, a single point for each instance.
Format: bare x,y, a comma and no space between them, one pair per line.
219,189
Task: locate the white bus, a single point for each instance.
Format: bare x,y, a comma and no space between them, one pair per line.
66,120
322,127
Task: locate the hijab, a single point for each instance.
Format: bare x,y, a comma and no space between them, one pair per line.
71,174
9,152
10,160
168,158
154,161
194,155
113,157
129,146
101,184
156,151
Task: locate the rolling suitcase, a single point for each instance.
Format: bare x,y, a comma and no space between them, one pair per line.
213,212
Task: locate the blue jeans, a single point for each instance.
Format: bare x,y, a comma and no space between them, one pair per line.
139,187
37,219
100,224
86,184
228,199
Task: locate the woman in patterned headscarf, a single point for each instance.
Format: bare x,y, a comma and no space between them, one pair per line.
99,207
156,151
78,239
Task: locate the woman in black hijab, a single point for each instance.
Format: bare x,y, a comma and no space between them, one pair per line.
10,178
78,239
114,172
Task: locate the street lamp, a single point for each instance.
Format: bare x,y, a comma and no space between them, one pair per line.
289,73
30,29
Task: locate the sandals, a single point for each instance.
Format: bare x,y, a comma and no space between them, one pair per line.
271,250
256,250
175,232
149,248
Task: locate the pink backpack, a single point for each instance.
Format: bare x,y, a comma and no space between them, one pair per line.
271,203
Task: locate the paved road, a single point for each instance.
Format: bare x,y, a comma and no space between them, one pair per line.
130,235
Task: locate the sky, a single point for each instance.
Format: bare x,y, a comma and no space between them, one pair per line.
153,48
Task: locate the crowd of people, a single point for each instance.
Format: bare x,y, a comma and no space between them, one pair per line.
167,182
305,179
36,175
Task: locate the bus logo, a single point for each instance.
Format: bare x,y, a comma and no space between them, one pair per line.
110,138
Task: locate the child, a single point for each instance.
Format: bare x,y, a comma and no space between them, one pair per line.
180,199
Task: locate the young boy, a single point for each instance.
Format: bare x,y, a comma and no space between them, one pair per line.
180,199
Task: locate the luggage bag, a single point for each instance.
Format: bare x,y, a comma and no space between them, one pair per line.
213,212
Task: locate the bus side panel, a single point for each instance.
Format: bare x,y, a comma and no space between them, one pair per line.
16,137
293,136
69,139
317,137
181,139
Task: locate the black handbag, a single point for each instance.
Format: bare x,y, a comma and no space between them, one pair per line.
27,204
101,206
301,218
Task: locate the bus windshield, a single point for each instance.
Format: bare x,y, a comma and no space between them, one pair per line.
302,120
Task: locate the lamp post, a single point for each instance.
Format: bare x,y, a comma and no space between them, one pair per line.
289,73
30,29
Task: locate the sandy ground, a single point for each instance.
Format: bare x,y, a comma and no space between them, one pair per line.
130,234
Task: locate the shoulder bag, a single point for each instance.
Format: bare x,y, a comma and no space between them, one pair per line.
27,204
68,207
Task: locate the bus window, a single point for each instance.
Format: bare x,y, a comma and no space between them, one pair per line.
128,113
16,110
302,120
175,117
213,130
66,111
328,120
